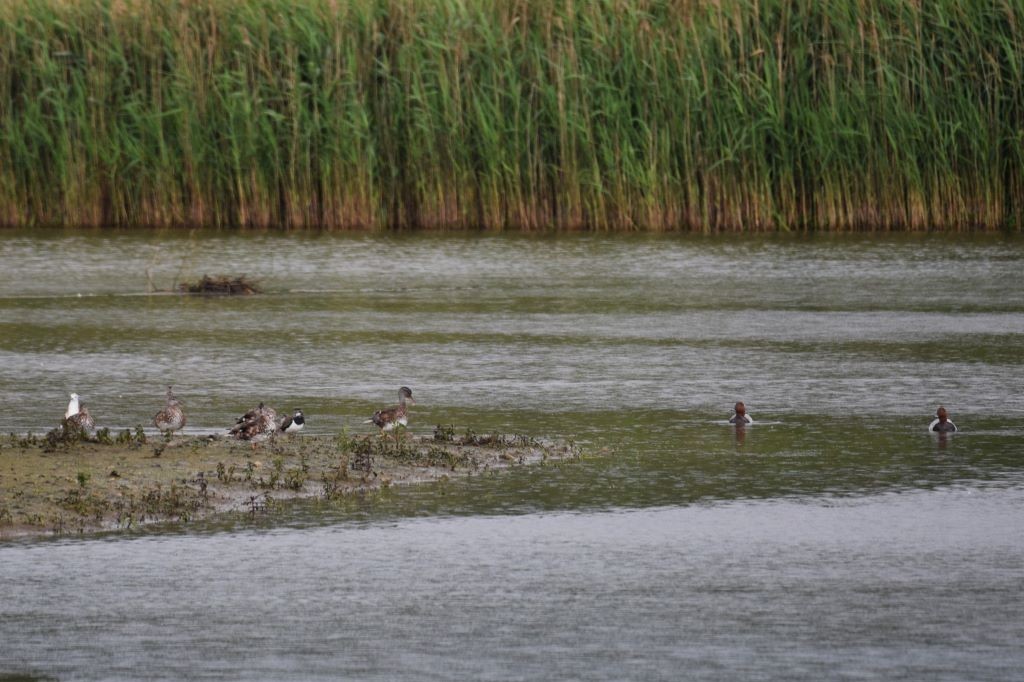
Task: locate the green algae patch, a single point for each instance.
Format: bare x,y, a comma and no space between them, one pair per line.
76,485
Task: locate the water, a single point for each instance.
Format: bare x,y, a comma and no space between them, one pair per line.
835,538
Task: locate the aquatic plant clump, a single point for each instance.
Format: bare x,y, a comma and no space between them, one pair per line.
221,284
655,114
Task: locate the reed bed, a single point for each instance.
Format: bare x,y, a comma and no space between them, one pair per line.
589,114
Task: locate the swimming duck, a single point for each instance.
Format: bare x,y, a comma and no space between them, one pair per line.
72,406
391,417
941,423
293,423
172,417
257,424
740,416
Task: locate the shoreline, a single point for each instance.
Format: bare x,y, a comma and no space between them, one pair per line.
54,487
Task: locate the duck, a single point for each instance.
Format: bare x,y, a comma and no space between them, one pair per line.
387,419
258,424
740,416
172,417
72,407
81,420
77,416
293,423
941,423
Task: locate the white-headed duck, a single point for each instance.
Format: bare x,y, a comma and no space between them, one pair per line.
72,407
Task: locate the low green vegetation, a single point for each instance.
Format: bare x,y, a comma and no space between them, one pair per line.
650,114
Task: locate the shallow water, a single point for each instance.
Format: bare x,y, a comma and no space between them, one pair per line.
835,538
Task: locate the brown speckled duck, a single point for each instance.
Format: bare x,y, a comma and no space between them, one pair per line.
387,419
172,417
82,420
256,425
77,416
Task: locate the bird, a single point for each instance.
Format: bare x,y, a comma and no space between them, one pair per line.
293,423
72,406
257,424
172,417
941,423
740,416
77,415
81,420
387,419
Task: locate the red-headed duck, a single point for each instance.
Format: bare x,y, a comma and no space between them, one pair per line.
941,423
740,416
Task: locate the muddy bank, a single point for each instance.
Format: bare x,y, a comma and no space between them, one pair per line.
76,485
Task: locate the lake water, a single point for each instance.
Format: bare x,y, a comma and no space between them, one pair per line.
834,539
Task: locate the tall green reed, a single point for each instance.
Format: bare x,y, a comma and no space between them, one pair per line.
604,114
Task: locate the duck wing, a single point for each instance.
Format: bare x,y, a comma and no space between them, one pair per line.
384,417
251,420
244,426
248,416
247,430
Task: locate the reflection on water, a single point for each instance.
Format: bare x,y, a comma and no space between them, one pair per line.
835,537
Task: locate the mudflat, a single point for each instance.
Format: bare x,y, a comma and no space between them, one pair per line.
69,485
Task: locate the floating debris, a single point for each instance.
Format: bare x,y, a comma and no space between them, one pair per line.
221,284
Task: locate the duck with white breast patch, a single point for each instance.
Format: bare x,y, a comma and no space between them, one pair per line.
294,423
740,416
387,419
941,423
